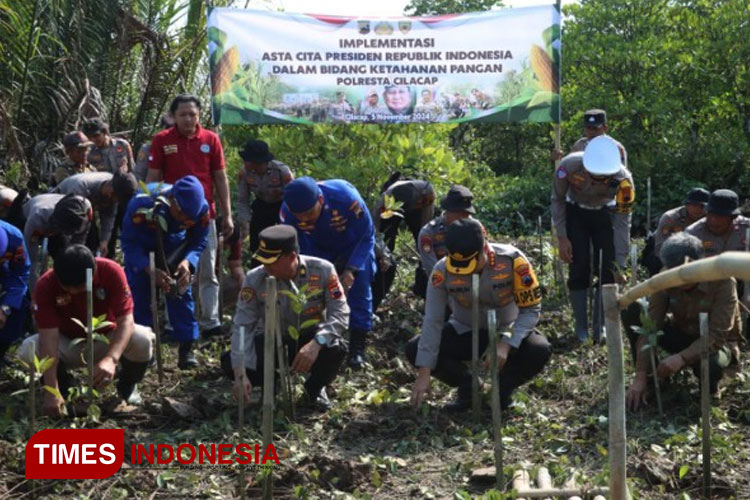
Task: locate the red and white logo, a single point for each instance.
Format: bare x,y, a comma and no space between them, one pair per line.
74,453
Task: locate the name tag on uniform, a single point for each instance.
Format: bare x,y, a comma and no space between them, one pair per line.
170,149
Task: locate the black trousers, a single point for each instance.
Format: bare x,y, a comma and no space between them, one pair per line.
322,373
263,215
522,364
587,227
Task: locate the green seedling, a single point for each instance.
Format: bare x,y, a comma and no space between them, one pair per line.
649,331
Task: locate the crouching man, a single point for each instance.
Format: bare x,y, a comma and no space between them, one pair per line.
508,284
60,299
320,348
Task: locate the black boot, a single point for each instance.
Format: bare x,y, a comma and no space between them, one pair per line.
186,359
356,349
315,398
463,399
131,373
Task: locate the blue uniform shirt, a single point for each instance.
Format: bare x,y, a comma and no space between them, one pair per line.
14,268
139,229
344,232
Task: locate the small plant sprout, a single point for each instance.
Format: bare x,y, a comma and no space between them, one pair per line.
649,331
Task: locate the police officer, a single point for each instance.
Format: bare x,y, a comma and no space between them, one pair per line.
333,223
675,312
262,179
76,146
674,221
592,201
106,192
108,154
60,310
724,228
457,204
508,284
63,219
319,350
173,223
595,125
14,277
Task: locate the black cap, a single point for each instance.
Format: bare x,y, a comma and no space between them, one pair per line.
124,186
94,126
698,196
458,199
76,140
275,241
256,151
723,202
595,118
72,215
464,240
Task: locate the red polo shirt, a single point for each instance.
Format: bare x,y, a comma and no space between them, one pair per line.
55,308
177,156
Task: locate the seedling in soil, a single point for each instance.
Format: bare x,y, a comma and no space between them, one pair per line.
651,334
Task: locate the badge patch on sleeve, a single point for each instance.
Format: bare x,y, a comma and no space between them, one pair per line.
425,243
625,197
247,294
437,278
335,290
525,285
561,173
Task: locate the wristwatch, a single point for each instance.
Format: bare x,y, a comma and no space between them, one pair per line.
6,309
321,339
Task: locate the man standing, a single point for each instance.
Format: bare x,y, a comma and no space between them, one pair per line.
592,201
60,303
263,179
724,228
14,277
595,125
675,311
76,146
508,284
172,223
319,350
189,149
108,154
334,224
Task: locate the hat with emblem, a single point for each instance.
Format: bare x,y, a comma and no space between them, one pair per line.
594,118
276,241
301,194
256,151
697,196
458,199
464,240
76,140
94,126
723,202
188,193
71,215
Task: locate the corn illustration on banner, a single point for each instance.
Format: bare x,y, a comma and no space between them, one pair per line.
272,67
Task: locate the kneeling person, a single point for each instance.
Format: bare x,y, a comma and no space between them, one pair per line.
681,337
507,283
60,298
320,349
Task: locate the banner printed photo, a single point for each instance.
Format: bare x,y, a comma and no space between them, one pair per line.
272,67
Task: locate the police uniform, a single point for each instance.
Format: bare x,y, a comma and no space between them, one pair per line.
139,235
722,202
590,211
63,224
326,308
507,284
117,156
343,235
14,276
597,118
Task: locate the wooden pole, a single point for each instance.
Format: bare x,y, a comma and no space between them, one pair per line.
648,205
544,480
746,291
239,380
497,419
600,302
705,406
541,244
219,270
268,376
521,482
475,401
617,434
155,316
90,328
286,392
633,264
565,492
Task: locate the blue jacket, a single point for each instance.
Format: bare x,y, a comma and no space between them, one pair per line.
139,229
14,268
344,232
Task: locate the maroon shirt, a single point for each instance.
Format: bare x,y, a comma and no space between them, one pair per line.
177,156
55,308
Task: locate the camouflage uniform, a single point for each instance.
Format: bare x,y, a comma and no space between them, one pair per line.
68,168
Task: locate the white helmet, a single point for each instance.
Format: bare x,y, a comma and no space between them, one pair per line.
602,156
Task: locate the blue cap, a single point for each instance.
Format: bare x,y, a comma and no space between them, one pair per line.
188,193
301,194
3,240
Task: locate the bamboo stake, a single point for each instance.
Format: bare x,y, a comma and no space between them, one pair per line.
497,419
90,328
543,481
600,302
652,356
155,316
241,406
746,291
521,481
568,491
281,354
648,205
32,394
617,432
475,402
633,264
219,270
726,265
541,243
268,376
705,406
